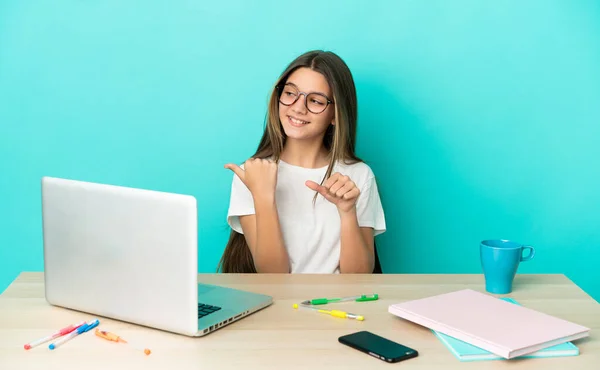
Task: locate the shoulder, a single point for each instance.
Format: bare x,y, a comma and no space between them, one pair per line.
355,168
360,172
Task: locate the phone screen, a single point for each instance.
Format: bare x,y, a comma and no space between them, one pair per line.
377,346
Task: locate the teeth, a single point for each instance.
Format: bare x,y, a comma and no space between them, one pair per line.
297,121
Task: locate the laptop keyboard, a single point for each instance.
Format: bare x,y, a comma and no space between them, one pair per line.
205,309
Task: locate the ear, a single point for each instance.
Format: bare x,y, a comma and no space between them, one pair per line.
333,122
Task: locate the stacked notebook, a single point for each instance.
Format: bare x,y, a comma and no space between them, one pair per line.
467,352
500,328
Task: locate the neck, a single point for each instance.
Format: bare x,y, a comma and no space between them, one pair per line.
305,153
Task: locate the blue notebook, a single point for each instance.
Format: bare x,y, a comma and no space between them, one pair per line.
467,352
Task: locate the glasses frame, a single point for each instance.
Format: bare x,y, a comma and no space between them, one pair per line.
280,88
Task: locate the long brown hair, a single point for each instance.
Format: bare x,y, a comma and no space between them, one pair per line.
339,139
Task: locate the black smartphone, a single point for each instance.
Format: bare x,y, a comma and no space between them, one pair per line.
378,347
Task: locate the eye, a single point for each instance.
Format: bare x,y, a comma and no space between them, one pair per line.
318,102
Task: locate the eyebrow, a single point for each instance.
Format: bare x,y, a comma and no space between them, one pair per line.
310,92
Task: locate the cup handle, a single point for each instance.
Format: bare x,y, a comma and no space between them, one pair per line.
530,255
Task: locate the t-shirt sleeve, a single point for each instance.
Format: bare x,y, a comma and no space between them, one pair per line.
240,203
369,208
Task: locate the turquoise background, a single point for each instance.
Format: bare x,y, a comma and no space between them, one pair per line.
481,119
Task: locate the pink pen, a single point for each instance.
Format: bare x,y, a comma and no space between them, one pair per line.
59,333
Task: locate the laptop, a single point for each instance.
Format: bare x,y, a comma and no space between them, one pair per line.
132,255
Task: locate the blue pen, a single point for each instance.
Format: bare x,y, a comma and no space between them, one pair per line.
80,330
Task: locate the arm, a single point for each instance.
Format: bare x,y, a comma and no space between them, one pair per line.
357,254
263,235
357,251
262,230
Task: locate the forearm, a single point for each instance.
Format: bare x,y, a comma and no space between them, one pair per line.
269,254
355,254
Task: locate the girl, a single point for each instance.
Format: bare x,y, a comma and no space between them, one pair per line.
304,202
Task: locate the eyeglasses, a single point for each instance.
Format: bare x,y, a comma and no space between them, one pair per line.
315,102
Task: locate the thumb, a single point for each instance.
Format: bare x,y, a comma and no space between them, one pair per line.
319,188
236,169
313,185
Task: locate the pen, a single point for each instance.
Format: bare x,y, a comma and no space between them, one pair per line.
109,336
80,330
336,313
115,338
60,333
357,298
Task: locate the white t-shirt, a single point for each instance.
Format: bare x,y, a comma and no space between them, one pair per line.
311,233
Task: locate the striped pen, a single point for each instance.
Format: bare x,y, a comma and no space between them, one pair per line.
60,333
80,330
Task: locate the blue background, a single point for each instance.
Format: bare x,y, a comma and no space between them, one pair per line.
480,119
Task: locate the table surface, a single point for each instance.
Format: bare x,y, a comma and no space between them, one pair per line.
280,337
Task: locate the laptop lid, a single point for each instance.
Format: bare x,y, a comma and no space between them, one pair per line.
123,253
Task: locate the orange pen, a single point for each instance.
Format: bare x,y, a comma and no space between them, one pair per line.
115,338
109,336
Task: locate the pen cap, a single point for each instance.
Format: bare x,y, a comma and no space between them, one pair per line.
366,298
87,327
82,328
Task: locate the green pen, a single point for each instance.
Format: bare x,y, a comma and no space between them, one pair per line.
357,298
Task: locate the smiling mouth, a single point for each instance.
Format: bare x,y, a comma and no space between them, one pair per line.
297,122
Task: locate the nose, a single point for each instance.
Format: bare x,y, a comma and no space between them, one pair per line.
300,105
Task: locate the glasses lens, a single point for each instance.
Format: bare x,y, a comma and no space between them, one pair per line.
288,95
316,103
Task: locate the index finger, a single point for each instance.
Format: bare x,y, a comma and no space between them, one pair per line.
331,180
